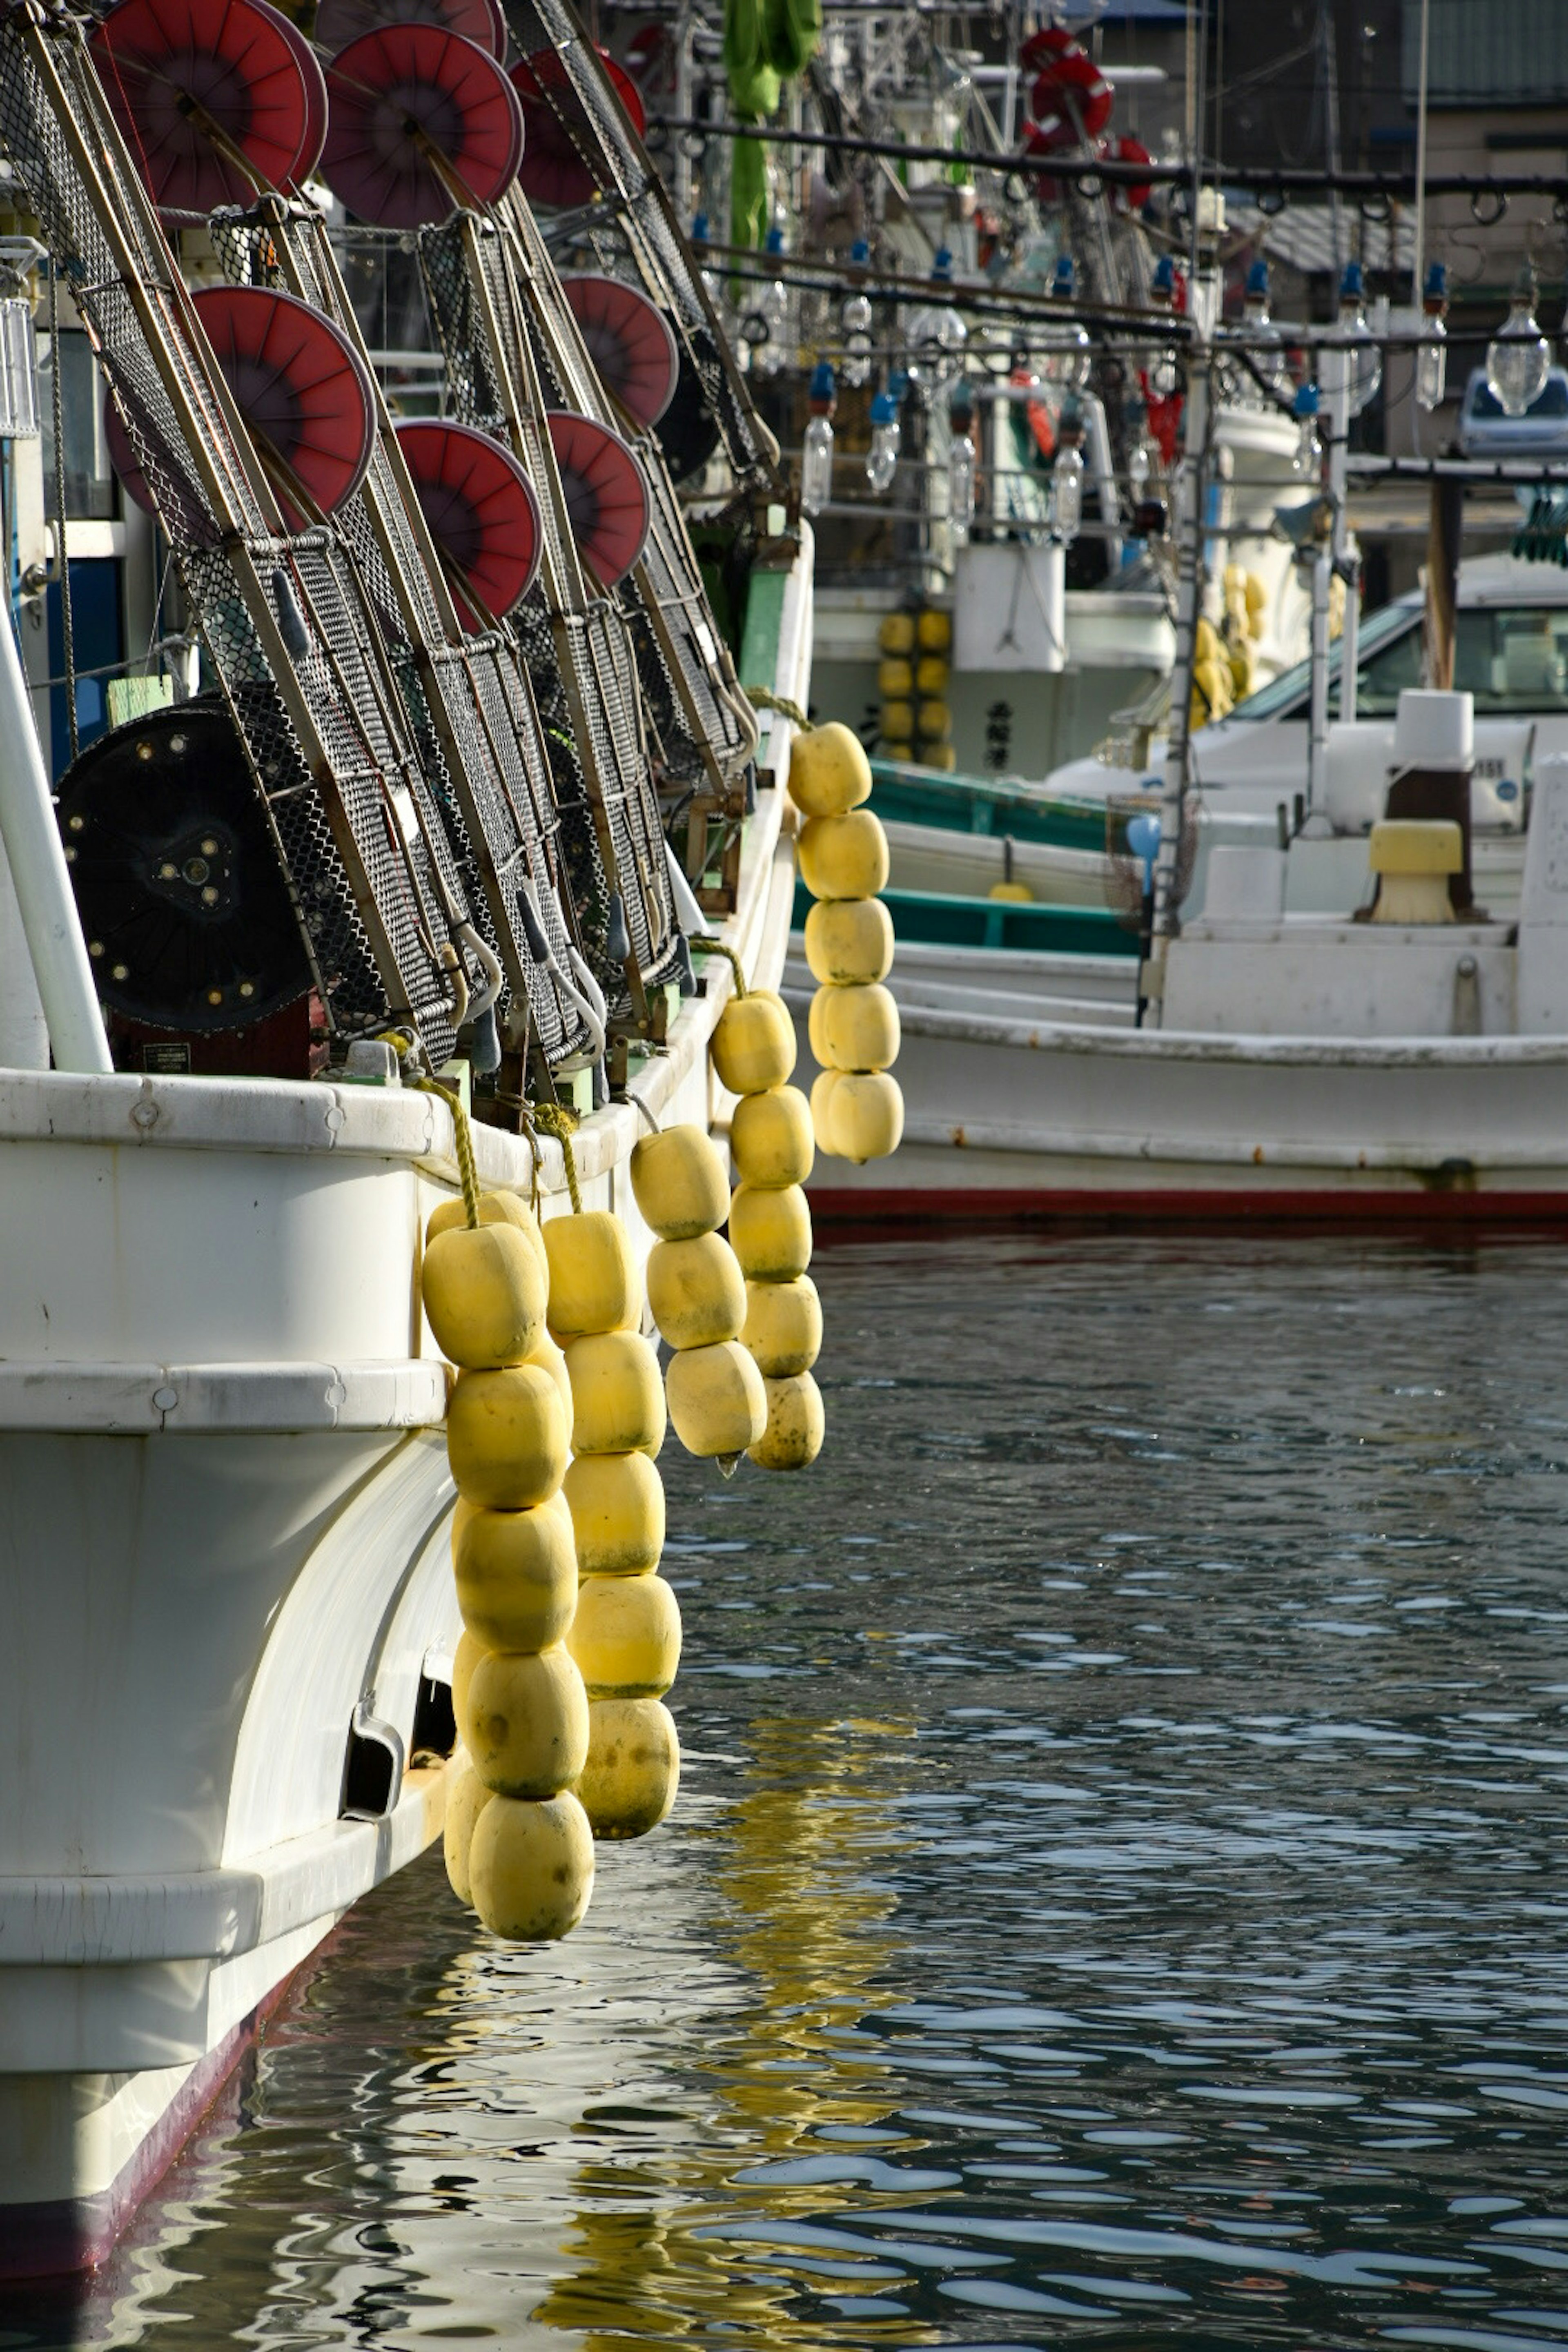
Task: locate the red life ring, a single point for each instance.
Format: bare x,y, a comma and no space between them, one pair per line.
1071,100
1135,194
1036,415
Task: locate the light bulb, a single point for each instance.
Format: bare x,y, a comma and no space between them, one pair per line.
1266,344
1364,363
855,319
961,469
1163,371
1067,482
1519,357
1307,460
1432,351
767,327
882,457
817,456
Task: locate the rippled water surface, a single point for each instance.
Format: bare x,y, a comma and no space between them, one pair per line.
1117,1893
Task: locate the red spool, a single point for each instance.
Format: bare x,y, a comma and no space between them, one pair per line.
607,494
396,94
481,510
561,138
241,62
629,338
299,387
339,22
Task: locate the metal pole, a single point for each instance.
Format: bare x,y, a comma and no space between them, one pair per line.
1419,278
1178,742
1337,368
38,865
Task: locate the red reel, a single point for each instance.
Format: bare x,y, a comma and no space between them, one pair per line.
299,387
339,22
481,510
561,138
250,75
607,494
422,121
629,340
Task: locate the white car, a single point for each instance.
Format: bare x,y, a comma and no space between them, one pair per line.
1486,431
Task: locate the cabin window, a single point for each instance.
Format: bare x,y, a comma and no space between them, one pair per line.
90,489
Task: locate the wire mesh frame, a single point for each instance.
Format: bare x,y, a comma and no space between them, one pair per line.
643,232
574,641
705,727
298,662
469,695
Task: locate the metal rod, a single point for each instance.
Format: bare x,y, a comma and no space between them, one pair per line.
37,863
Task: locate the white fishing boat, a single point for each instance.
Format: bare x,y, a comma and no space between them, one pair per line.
227,1572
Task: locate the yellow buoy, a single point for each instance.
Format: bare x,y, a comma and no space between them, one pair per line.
844,857
495,1209
717,1401
897,633
484,1294
895,678
859,1028
828,771
616,1395
467,1796
516,1574
1016,894
678,1181
934,723
783,1330
932,674
896,721
822,1090
625,1636
525,1723
531,1866
933,631
940,755
770,1233
771,1139
792,1438
465,1658
696,1288
617,1501
594,1283
633,1770
867,1116
849,942
506,1437
904,751
817,1034
546,1357
754,1041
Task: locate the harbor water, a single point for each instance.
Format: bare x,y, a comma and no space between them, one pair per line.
1116,1895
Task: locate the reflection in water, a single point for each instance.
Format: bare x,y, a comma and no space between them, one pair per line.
1115,1892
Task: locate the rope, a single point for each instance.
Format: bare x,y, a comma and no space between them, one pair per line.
761,700
68,632
700,946
558,1121
463,1135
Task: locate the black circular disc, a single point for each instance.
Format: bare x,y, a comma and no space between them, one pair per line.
687,432
187,917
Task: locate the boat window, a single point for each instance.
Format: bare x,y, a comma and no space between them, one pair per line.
1513,658
89,477
1286,696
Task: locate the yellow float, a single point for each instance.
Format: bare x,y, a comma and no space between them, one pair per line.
516,1574
828,770
531,1866
717,1401
593,1281
506,1437
617,1501
770,1232
783,1330
795,1427
633,1770
525,1722
771,1140
626,1637
696,1288
679,1183
844,857
484,1294
617,1397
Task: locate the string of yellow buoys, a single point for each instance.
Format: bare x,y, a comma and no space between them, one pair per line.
856,1107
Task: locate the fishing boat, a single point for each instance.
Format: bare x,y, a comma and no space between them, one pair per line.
404,844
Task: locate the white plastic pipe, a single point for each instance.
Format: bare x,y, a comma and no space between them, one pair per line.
43,885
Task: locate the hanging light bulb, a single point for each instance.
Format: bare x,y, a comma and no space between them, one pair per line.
1066,477
1163,371
816,457
856,320
767,327
1307,460
882,458
961,464
938,336
1266,344
1432,351
1066,364
1363,362
1518,357
700,245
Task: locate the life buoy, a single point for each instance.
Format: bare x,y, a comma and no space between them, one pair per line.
1135,194
1037,416
1071,100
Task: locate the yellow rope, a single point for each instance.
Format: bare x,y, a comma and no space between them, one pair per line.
404,1046
557,1120
700,946
761,700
